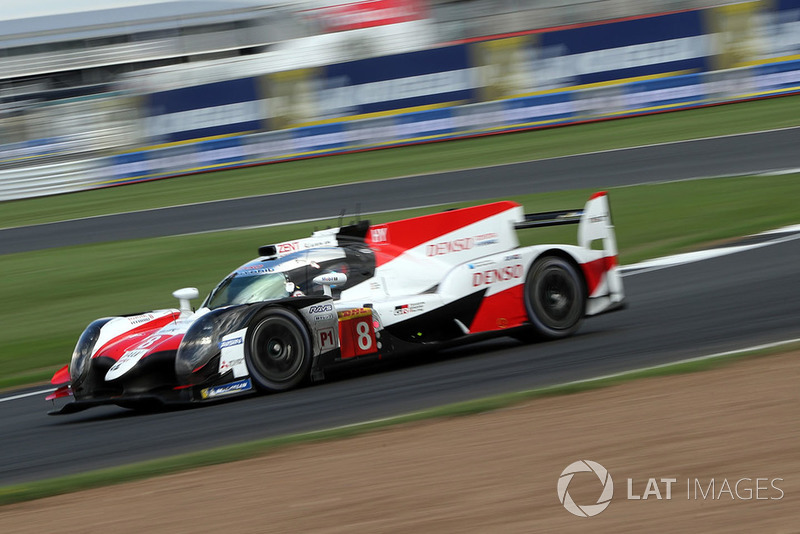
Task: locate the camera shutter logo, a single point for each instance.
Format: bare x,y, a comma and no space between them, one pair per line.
588,510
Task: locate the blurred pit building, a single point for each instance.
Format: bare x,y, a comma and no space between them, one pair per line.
109,81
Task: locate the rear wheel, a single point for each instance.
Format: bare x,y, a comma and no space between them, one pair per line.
555,298
278,350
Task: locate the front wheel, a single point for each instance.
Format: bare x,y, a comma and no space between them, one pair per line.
278,350
555,298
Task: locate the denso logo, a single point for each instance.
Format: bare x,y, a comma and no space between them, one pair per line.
446,247
464,243
497,275
321,308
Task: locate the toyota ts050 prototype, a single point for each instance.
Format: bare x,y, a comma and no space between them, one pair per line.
352,293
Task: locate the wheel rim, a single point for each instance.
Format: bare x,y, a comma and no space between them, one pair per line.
555,297
278,349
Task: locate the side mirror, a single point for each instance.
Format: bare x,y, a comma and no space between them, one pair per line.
329,280
184,296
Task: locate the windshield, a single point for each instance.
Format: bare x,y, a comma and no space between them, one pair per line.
245,288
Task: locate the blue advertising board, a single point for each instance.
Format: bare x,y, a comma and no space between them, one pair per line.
624,49
671,91
207,110
399,81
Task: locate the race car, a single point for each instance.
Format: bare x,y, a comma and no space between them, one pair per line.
348,294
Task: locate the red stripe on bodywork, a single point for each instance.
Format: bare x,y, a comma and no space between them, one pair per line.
594,270
148,327
505,309
132,342
392,239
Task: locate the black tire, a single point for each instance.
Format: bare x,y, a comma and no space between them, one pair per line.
277,350
555,298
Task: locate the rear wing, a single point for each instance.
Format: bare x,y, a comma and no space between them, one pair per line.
549,218
594,222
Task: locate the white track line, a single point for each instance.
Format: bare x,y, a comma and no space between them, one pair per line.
31,394
621,374
700,255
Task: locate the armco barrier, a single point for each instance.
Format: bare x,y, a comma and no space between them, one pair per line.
53,179
637,98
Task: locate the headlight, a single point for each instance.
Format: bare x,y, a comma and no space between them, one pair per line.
82,355
201,342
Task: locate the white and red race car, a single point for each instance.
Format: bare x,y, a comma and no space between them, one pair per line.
352,293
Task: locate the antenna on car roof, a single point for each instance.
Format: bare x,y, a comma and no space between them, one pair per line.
341,216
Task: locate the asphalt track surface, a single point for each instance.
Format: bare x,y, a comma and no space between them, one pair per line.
715,305
738,154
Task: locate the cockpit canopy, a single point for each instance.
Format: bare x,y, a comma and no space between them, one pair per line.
276,278
249,287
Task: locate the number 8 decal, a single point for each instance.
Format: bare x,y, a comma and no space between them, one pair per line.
356,333
364,338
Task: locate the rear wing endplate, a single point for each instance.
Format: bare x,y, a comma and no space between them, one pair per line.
594,222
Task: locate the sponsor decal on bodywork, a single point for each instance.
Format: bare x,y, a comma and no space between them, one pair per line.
230,364
446,247
297,245
125,363
327,339
464,243
320,308
354,313
232,354
322,312
136,320
501,274
379,234
482,263
404,309
227,389
486,239
254,269
230,342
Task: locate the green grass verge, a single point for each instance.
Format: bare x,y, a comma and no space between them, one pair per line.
691,124
149,469
49,296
